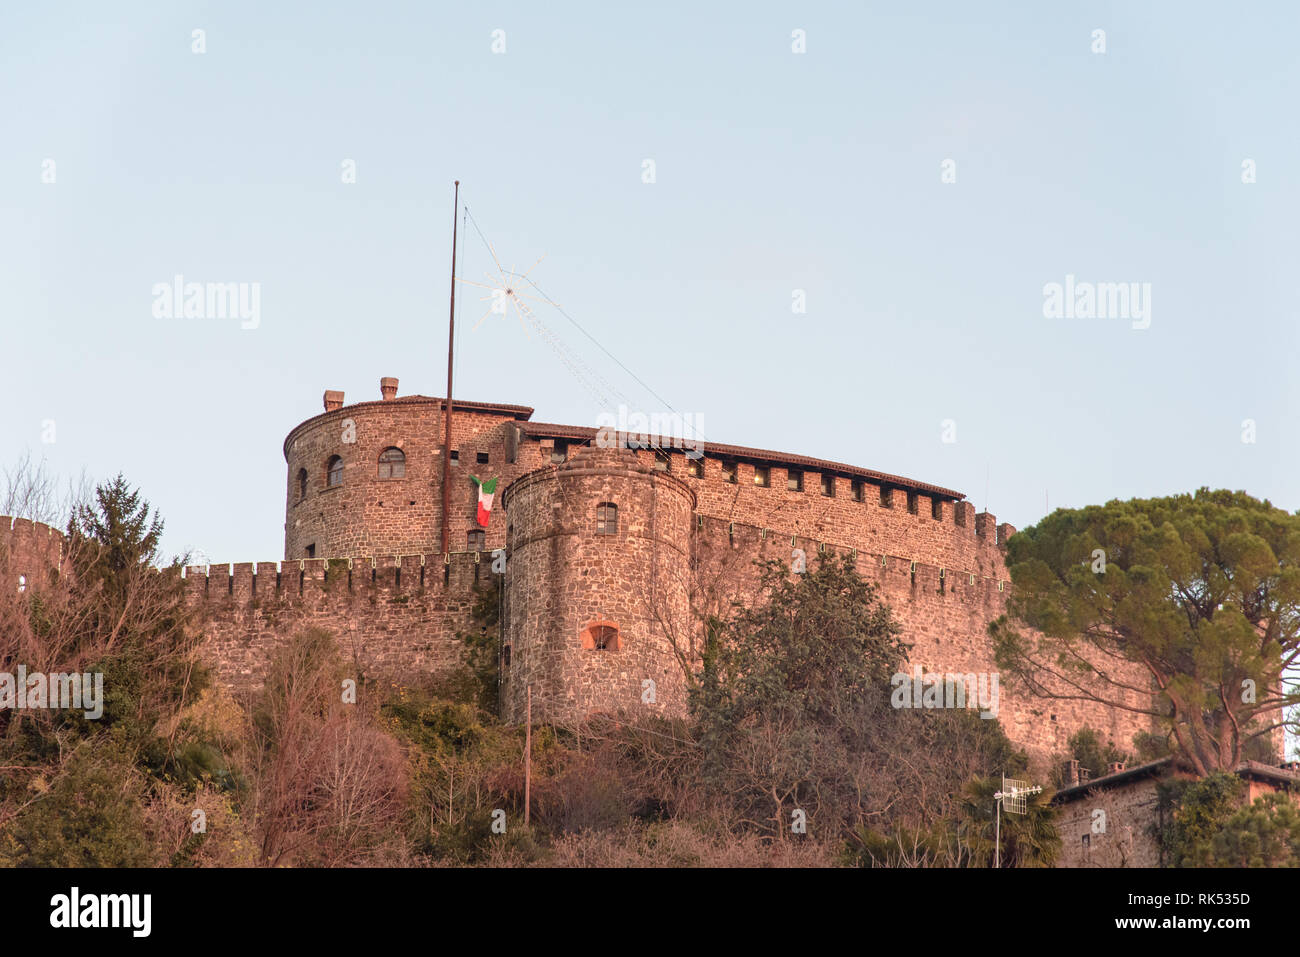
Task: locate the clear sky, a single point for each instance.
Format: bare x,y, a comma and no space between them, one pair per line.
774,171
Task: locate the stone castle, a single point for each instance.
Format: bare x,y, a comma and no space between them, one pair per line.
610,557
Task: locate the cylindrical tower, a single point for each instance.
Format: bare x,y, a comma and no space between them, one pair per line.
597,614
366,479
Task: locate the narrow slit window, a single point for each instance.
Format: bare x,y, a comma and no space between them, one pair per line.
828,485
302,484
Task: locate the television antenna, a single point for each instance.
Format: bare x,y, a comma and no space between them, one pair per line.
1015,796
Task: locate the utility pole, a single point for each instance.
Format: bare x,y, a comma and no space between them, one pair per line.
451,336
528,757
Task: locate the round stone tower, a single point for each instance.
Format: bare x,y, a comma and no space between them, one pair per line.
597,614
366,479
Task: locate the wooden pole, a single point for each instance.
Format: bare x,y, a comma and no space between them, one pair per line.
528,757
451,336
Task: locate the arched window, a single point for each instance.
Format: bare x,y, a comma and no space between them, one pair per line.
600,636
334,471
302,484
606,519
392,463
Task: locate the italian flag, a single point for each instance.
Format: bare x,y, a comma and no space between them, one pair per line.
487,489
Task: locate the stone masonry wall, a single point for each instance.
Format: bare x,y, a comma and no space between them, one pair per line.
944,619
395,621
562,578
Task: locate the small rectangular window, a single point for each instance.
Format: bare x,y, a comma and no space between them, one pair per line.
886,499
606,519
762,476
911,502
828,485
857,490
794,481
558,453
505,656
936,509
310,551
695,467
482,458
476,539
455,457
729,472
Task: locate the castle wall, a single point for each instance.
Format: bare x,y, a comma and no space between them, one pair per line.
29,551
938,563
397,619
944,612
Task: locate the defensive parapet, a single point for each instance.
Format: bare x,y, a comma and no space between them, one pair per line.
29,550
395,617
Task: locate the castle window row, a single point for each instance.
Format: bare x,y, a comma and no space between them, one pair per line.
391,465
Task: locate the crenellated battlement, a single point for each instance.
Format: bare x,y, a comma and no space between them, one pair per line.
455,572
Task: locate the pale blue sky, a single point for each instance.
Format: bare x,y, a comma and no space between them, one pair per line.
775,172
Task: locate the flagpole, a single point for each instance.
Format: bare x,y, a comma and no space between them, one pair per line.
451,335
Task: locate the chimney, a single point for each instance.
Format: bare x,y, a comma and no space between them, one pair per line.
1071,773
1085,775
1115,767
388,387
333,400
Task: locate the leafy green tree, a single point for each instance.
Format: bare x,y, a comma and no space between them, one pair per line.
1185,609
90,816
1265,833
813,648
1193,812
791,689
135,624
125,531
